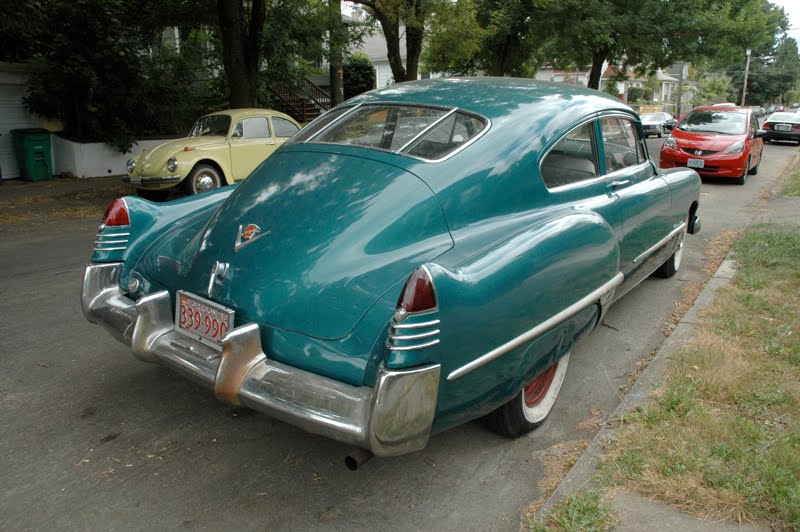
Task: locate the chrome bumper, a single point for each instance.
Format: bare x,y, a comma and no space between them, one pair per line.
150,180
392,418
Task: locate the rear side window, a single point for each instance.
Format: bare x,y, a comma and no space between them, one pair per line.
425,132
619,142
572,160
447,136
283,128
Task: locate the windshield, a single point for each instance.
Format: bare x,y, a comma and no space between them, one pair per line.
653,117
425,132
721,122
211,125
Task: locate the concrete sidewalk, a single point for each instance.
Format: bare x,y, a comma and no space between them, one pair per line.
636,513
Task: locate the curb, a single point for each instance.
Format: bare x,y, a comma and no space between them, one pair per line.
580,475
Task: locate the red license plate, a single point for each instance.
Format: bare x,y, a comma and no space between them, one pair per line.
201,319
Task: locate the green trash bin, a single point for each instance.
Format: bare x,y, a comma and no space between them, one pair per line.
32,149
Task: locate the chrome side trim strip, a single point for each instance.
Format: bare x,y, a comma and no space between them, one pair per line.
661,242
540,329
112,235
414,347
401,326
395,337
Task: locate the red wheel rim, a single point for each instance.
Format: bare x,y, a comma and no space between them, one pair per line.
535,390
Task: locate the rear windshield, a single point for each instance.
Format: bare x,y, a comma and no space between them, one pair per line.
723,122
424,132
211,125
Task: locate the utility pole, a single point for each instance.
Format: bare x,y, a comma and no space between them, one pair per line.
746,72
680,92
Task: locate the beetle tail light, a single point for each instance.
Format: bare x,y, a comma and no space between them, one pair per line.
418,294
117,214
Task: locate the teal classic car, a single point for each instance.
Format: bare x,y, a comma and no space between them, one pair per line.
419,256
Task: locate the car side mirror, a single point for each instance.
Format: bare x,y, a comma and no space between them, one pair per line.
669,126
760,134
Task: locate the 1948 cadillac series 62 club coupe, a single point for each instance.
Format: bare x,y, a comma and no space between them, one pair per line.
420,256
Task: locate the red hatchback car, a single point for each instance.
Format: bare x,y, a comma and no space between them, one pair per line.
716,141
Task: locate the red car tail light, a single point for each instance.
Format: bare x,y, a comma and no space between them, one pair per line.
117,214
766,125
418,293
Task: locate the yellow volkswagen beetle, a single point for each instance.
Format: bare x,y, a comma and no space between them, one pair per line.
222,147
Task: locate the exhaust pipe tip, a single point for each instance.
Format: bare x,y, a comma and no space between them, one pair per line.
357,458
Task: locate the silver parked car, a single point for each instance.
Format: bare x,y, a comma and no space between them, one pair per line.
656,123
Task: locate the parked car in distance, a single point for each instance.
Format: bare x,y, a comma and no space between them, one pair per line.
771,109
716,141
419,256
221,148
782,126
657,123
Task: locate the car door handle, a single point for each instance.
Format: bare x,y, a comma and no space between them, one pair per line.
621,183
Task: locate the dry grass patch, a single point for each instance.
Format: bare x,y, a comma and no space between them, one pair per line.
44,202
557,461
721,438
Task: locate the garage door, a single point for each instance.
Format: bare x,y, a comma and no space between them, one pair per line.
13,115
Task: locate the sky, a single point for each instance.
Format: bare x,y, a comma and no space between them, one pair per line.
792,10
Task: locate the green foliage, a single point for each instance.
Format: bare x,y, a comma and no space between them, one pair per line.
713,89
638,94
611,88
585,510
359,75
455,39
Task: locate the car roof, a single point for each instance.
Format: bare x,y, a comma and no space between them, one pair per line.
235,114
496,98
722,109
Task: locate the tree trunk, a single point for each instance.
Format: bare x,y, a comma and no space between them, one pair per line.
241,50
414,38
337,39
391,32
598,59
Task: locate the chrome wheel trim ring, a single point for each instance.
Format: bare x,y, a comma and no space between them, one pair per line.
538,412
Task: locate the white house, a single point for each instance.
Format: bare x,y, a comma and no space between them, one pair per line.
13,114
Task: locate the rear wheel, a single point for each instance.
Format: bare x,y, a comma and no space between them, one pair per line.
529,408
672,264
202,178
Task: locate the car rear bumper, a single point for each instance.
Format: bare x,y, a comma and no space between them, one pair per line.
393,417
782,135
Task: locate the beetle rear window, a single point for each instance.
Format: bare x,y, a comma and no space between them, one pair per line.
425,132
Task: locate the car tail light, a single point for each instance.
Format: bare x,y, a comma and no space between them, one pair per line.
766,125
796,127
418,293
117,214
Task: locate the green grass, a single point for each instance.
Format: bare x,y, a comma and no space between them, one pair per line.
721,438
792,185
585,510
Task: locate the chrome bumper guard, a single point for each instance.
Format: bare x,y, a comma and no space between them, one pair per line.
392,418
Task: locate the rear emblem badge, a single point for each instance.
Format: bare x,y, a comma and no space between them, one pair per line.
247,235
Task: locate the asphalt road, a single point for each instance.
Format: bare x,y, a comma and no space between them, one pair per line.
94,439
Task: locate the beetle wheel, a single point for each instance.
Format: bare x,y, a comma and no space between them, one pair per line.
529,408
202,178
